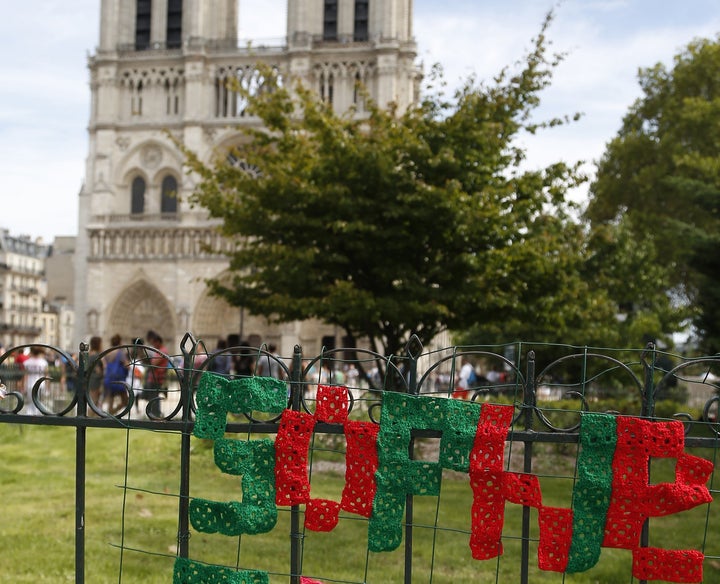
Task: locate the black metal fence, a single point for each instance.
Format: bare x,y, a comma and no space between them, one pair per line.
536,396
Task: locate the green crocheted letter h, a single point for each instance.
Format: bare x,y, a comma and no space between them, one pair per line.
591,494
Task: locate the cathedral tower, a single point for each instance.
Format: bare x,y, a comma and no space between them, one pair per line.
160,74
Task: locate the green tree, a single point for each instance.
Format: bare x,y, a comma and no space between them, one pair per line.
396,223
662,171
630,271
604,288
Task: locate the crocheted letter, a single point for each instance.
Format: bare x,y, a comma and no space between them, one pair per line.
591,494
398,475
491,485
634,499
291,466
190,572
254,460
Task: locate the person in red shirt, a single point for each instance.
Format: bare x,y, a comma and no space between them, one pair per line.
21,357
156,375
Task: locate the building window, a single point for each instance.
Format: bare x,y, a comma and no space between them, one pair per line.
327,88
357,98
330,17
136,100
234,160
362,13
142,25
137,203
172,97
174,24
168,202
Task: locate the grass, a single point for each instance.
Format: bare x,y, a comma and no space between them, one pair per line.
131,533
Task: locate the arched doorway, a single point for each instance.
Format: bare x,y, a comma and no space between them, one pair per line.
139,308
214,318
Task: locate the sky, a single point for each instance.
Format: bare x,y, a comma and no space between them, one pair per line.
45,96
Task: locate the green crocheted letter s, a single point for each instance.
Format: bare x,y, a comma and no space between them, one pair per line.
254,460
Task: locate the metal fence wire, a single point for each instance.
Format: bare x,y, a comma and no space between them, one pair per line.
355,467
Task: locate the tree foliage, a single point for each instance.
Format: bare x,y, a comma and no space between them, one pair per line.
392,224
662,171
603,288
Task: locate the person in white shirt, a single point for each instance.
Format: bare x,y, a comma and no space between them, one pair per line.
466,380
35,368
269,366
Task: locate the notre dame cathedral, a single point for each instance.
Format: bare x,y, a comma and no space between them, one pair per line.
161,71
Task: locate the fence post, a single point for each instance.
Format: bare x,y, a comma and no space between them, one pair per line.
529,403
81,387
186,383
648,410
648,397
296,389
412,359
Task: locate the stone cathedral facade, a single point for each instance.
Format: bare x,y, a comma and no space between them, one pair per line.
160,72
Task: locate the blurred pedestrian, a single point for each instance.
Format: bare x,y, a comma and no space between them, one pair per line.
268,365
466,380
155,380
115,369
96,372
136,372
220,362
35,367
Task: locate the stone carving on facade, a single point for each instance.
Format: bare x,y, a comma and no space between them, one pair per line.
102,170
92,321
123,142
151,156
176,243
183,318
210,134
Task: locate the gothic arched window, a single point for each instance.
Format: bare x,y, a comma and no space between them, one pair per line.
137,193
142,25
174,24
362,14
168,202
330,18
327,89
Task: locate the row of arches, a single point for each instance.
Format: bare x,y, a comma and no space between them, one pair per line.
142,306
161,89
350,79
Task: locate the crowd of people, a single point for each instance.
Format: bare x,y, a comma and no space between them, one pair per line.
144,367
142,370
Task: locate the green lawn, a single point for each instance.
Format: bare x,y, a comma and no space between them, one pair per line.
131,533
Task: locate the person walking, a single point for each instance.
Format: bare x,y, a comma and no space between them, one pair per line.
115,370
466,380
156,374
136,373
220,362
97,371
268,365
35,368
